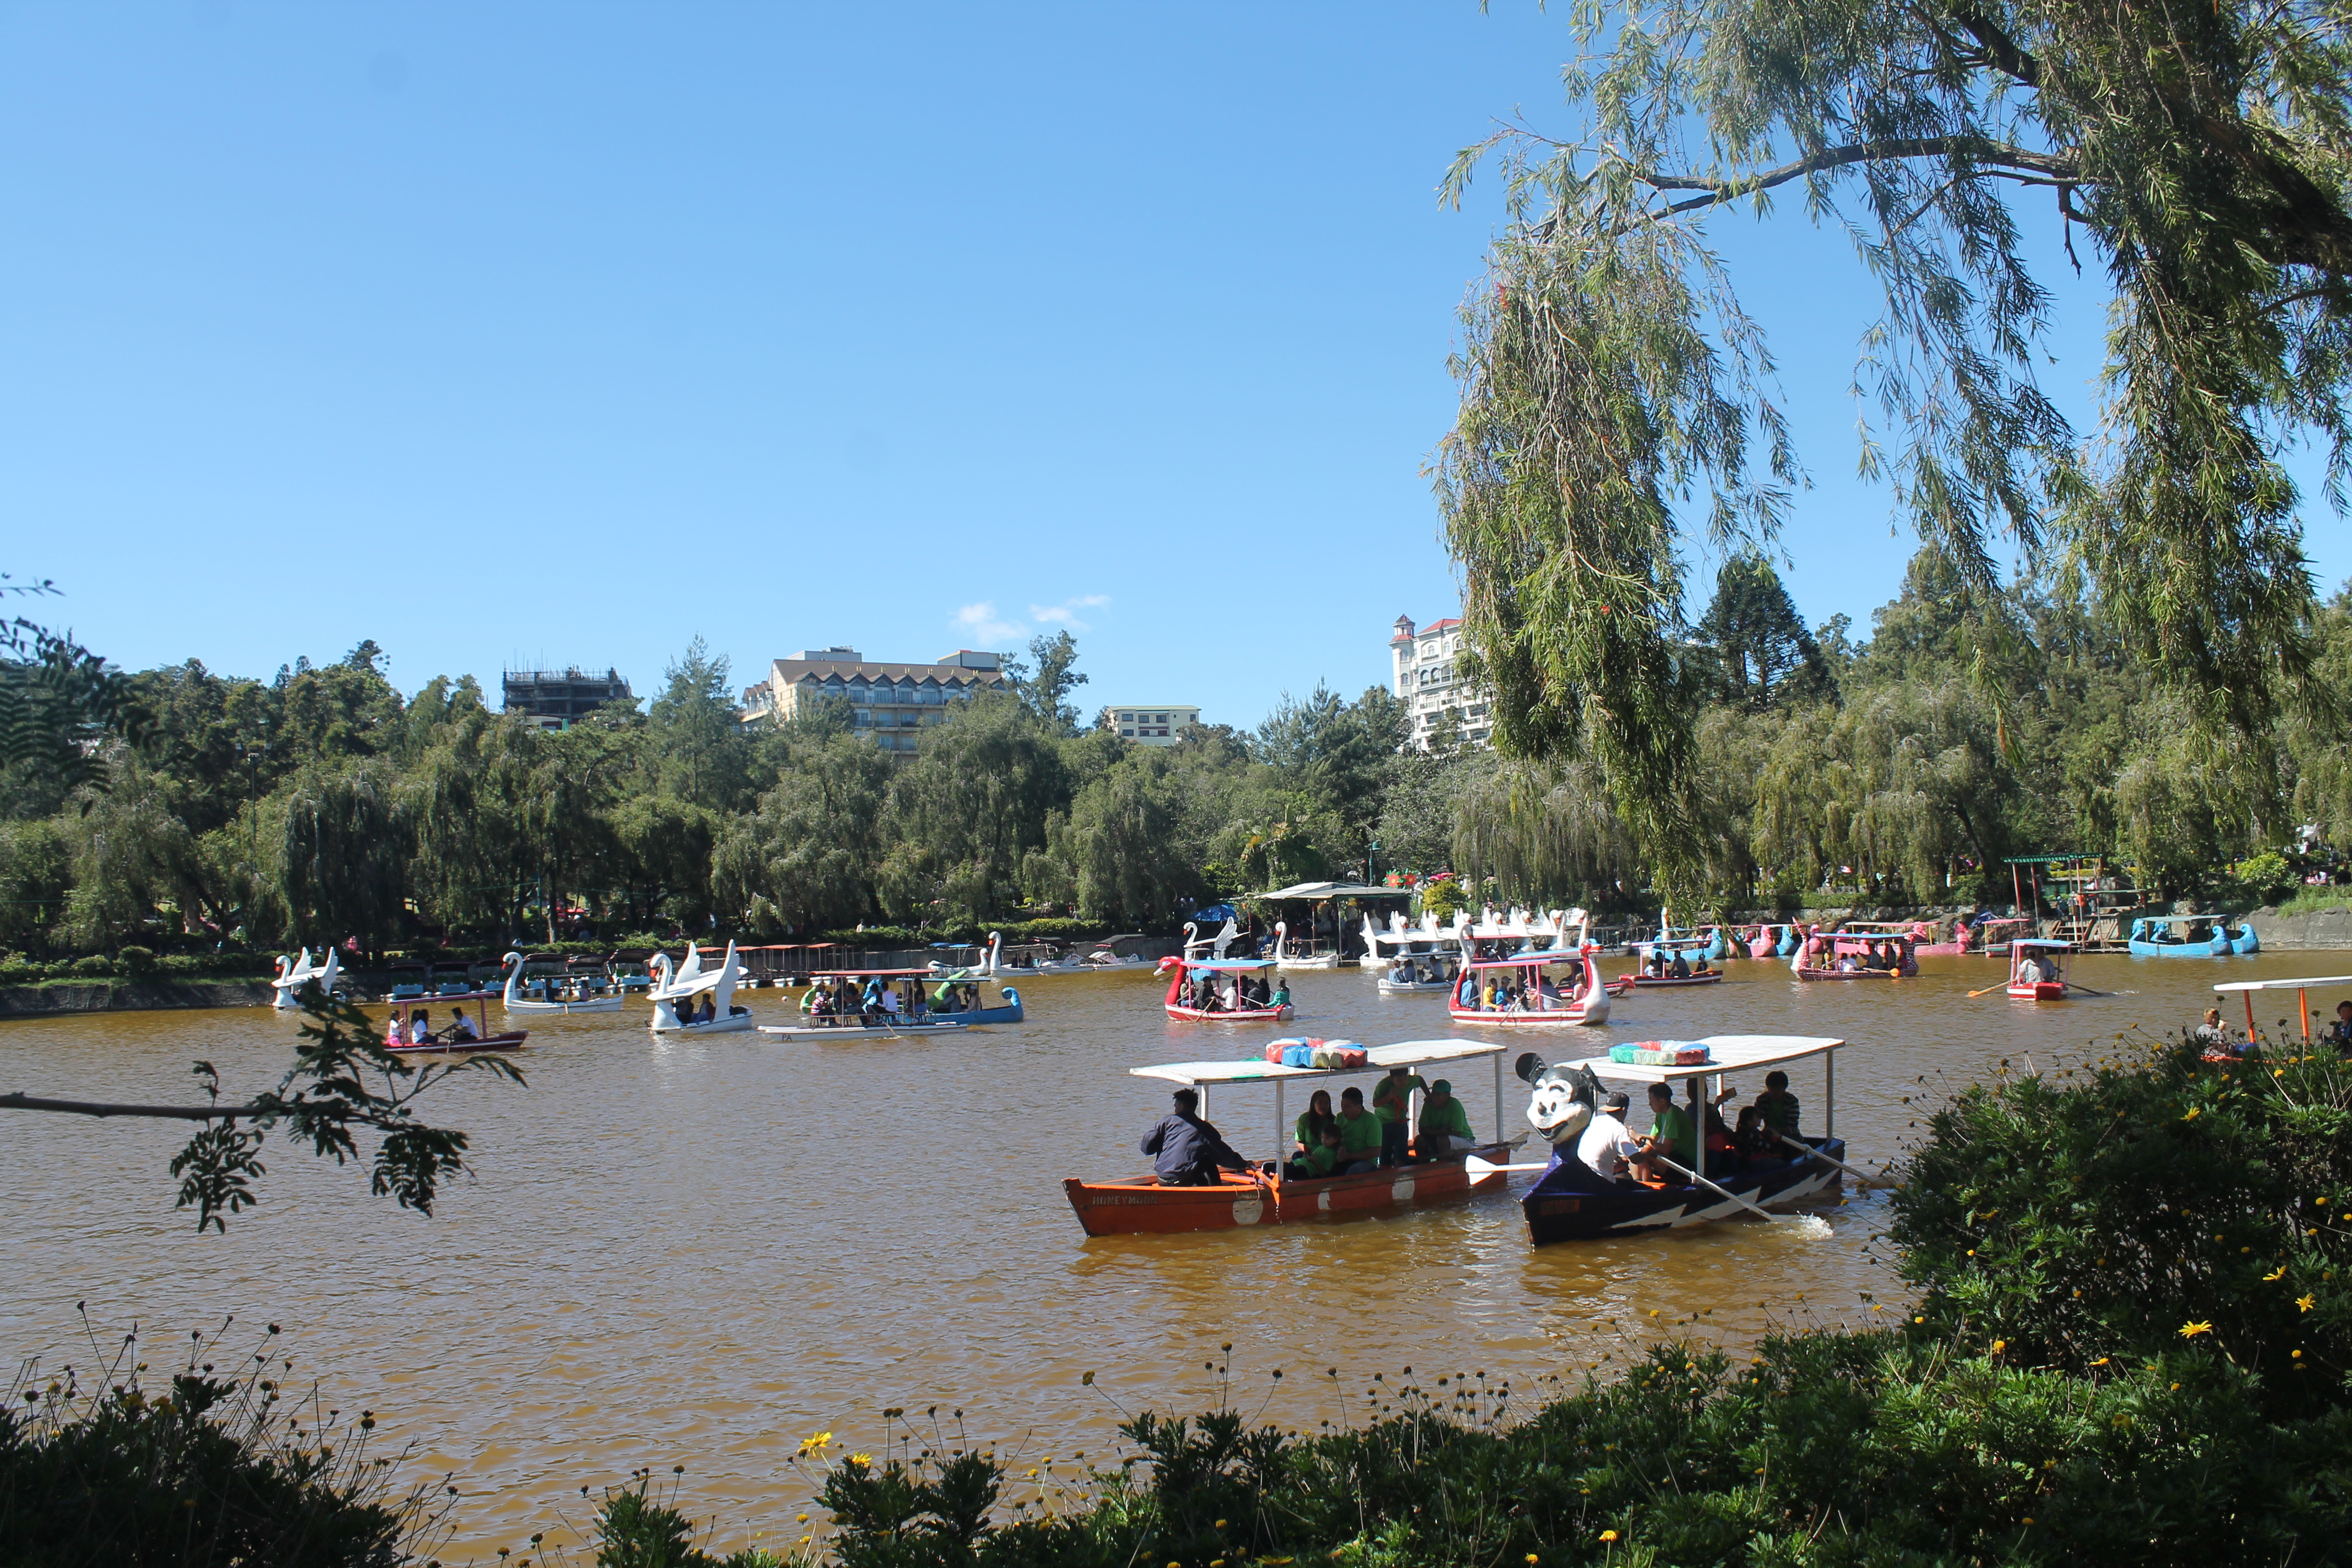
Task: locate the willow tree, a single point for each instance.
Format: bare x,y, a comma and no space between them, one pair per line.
1614,387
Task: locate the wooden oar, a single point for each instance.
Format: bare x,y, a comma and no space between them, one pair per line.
2087,989
1727,1192
1482,1169
1866,1179
2004,985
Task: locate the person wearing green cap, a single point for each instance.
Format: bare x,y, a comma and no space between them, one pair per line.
1445,1124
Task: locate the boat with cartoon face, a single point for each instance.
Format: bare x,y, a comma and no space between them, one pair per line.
1571,1201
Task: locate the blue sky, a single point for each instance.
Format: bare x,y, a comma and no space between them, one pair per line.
525,333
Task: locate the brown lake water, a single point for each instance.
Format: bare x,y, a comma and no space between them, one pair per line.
698,1252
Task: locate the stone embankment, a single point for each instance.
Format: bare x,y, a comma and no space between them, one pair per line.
2321,930
130,996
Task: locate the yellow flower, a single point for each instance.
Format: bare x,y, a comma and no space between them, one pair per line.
2295,1355
2191,1331
2192,1115
1999,1346
2305,1302
810,1444
2102,1361
1608,1535
2278,1273
861,1458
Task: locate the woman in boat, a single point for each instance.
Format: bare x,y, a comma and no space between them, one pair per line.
420,1028
1281,997
1313,1121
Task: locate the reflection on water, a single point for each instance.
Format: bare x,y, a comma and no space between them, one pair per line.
697,1251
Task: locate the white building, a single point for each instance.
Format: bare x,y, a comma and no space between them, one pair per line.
1423,660
1150,724
891,702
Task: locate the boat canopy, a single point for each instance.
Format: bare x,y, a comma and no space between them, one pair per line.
2285,985
2181,920
1314,892
2056,944
1732,1053
1527,960
1227,965
874,974
1379,1059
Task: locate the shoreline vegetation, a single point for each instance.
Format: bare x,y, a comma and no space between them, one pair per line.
192,818
2128,1341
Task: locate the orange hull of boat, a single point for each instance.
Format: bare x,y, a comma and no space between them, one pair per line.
1141,1208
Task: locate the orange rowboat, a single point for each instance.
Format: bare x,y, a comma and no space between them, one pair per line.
1132,1205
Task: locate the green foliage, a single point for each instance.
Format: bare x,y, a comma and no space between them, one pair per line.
212,1472
1611,379
636,1529
2098,1220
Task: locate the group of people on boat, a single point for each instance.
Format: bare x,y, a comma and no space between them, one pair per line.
1413,969
1510,991
2218,1040
1615,1153
1875,955
878,1002
420,1030
1220,993
1659,966
1187,1152
2035,967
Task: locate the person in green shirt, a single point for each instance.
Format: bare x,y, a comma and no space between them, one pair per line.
1445,1124
1392,1103
1671,1136
1312,1120
1321,1160
1360,1134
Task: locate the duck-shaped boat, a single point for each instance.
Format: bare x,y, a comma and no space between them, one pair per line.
672,988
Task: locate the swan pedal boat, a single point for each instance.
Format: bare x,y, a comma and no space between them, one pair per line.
293,974
504,1041
1139,1206
854,1027
1181,971
2149,939
1286,956
513,1001
1437,947
1587,1004
1571,1202
690,980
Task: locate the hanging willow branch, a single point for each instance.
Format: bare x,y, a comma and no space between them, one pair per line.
1613,387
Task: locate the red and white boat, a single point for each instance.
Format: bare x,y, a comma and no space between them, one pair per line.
1535,997
1225,977
396,1033
1138,1205
2037,970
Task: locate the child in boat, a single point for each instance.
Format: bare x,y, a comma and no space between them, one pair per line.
1321,1160
1776,1108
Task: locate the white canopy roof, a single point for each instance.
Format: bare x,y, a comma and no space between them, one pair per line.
1732,1053
2285,985
1302,891
1407,1054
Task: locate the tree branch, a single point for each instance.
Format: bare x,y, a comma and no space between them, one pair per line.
171,1113
2006,55
1976,149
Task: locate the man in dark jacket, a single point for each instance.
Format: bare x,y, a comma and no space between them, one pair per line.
1186,1151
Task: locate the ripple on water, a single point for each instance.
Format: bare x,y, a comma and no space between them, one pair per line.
697,1252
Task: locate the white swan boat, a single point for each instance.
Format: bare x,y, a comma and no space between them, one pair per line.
1414,959
293,974
513,1001
1288,957
691,980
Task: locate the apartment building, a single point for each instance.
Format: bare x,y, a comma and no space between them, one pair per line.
1151,724
556,699
1423,660
891,702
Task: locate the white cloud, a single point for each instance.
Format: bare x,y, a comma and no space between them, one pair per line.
1065,614
979,623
